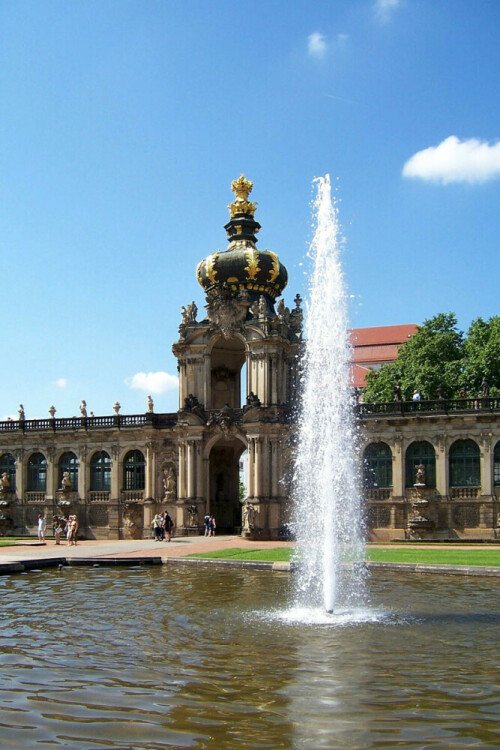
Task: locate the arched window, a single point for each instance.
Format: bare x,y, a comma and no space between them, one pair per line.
465,470
134,471
496,465
69,462
8,466
421,452
100,472
37,473
377,466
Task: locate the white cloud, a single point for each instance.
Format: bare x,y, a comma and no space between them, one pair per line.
316,45
456,161
61,382
153,382
385,8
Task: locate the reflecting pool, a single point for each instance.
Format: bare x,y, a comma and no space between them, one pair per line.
199,657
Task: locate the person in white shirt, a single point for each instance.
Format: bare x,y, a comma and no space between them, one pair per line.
42,526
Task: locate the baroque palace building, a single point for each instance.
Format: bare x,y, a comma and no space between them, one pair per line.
431,469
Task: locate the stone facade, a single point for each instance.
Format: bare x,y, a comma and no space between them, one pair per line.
238,381
459,442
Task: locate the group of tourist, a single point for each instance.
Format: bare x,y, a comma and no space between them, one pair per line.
162,527
60,525
209,525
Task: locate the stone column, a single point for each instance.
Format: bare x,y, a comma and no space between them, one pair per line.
191,468
51,484
199,470
182,471
20,473
83,472
486,465
115,475
258,467
251,467
150,489
275,467
442,478
398,489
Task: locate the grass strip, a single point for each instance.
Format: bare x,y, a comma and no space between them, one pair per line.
439,556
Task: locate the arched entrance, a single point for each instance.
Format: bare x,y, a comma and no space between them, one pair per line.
224,484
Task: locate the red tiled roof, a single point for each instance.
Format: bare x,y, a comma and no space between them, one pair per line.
357,376
376,345
382,335
382,353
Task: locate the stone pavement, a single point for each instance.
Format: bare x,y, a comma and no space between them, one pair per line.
87,552
133,548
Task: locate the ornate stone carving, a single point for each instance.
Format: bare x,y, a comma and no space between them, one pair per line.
192,516
249,514
253,402
189,313
227,311
66,482
169,484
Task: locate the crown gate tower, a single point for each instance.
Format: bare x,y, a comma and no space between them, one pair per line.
237,381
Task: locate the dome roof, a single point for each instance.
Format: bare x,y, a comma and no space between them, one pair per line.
242,266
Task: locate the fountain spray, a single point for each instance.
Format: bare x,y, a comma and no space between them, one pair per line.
327,511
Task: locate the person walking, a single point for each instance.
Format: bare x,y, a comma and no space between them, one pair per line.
213,526
42,527
57,529
169,525
73,530
206,524
157,527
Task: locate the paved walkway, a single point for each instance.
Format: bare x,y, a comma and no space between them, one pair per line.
178,547
32,554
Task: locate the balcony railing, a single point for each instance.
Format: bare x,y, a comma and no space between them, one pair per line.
99,497
437,406
34,497
120,421
464,493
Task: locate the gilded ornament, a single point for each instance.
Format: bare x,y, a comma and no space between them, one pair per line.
209,264
252,269
273,273
241,205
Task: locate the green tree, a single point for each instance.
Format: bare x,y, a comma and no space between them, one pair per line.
482,357
433,357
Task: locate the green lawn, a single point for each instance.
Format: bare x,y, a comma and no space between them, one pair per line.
435,556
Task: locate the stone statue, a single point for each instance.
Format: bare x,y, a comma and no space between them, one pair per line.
66,482
252,401
420,475
192,516
283,311
189,313
21,413
150,405
248,517
262,306
485,388
397,392
83,409
169,484
5,482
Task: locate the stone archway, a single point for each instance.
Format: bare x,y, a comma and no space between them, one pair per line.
224,484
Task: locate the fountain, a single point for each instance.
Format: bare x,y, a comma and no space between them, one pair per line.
327,517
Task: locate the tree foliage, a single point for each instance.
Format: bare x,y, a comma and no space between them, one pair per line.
440,356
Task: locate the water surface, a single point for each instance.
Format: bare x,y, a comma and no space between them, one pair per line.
204,657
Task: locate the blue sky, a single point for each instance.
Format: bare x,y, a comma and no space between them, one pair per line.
122,125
